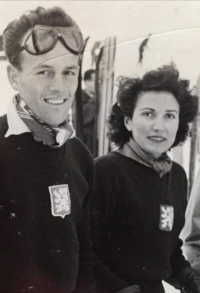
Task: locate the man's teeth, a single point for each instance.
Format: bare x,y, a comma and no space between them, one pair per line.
55,101
157,138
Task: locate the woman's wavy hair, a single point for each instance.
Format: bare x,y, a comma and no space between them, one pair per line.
166,79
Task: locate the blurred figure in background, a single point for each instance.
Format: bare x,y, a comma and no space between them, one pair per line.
89,108
191,230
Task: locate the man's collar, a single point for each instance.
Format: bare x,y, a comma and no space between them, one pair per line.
15,125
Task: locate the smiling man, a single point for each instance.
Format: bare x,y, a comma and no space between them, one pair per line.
46,172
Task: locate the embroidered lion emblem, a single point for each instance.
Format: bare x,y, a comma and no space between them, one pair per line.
166,217
60,200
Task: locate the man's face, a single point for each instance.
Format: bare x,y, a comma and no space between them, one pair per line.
48,82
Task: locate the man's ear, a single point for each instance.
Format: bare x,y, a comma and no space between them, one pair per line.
13,77
128,123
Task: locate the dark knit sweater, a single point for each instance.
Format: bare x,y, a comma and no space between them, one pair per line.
130,243
40,252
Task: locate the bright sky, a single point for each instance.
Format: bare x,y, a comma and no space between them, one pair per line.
174,28
174,25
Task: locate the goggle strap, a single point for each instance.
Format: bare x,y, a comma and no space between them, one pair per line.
20,50
35,43
66,46
80,60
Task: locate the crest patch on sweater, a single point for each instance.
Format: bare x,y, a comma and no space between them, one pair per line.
166,217
60,200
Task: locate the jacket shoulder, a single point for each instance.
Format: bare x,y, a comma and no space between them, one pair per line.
78,145
111,161
80,152
176,167
3,125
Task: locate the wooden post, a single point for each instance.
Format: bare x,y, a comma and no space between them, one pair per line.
108,60
79,102
194,141
98,97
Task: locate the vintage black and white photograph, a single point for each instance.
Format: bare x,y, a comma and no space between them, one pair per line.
99,147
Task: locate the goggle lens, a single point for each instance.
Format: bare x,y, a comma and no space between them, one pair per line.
43,39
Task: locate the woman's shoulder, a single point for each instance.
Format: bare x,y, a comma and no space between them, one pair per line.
110,159
178,169
113,165
108,171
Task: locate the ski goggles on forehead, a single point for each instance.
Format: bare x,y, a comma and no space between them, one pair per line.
43,39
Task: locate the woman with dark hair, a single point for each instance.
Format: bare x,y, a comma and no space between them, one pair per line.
140,195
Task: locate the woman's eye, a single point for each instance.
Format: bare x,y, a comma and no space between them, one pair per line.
170,116
148,114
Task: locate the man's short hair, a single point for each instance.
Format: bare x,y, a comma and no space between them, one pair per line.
14,32
88,74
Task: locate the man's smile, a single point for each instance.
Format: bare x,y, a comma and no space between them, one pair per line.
55,101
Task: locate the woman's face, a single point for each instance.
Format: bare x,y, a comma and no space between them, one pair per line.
155,122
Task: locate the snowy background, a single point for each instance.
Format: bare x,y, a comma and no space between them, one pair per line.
175,36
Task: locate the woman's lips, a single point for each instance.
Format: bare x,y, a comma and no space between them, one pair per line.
157,138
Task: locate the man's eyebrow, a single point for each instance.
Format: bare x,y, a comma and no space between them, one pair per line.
43,66
46,66
71,67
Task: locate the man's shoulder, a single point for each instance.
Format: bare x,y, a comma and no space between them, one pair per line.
79,156
78,147
3,125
